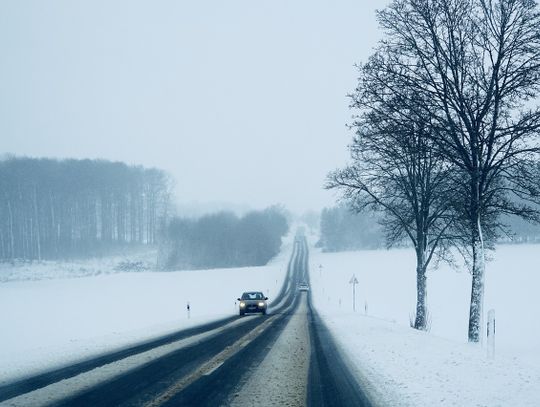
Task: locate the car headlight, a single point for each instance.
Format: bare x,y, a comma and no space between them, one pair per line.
261,304
242,304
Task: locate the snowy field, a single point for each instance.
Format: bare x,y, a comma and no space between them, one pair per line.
136,261
53,320
49,321
436,368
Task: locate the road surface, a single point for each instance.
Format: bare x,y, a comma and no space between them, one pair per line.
286,358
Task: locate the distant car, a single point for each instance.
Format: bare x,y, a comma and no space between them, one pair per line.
303,287
253,301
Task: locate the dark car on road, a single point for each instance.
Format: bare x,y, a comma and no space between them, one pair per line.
252,302
303,286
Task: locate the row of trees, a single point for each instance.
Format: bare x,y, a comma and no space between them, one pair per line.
225,240
446,136
61,208
341,229
520,231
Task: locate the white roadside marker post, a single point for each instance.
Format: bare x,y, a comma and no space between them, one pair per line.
491,334
188,310
353,281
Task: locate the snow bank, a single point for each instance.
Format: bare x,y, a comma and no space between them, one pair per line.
437,368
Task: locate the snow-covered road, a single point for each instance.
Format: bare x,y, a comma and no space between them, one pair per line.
282,377
56,392
284,358
295,356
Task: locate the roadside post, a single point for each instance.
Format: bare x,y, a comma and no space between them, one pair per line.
353,281
188,310
491,334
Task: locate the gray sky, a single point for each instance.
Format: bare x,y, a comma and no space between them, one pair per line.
241,101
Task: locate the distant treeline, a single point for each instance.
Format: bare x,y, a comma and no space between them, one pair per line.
225,240
62,208
343,230
519,231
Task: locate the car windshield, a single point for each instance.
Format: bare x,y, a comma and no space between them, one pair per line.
252,296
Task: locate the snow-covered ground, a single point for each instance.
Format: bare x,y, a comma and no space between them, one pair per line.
407,367
135,261
48,321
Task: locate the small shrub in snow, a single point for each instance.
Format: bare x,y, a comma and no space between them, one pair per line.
128,265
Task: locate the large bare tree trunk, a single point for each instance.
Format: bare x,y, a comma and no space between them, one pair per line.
477,288
420,321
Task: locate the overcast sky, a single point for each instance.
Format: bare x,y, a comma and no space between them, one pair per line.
241,101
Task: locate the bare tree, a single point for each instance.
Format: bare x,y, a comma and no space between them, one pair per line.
396,170
476,64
